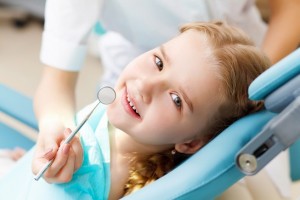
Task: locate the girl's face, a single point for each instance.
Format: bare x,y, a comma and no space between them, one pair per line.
167,95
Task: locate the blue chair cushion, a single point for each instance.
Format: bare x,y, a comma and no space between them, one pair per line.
11,138
276,76
17,105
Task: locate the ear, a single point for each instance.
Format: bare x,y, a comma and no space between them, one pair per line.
189,147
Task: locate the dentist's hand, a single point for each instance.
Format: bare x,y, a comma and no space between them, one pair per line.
67,157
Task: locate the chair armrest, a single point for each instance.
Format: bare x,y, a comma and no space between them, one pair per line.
18,106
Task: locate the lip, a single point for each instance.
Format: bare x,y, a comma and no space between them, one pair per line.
127,107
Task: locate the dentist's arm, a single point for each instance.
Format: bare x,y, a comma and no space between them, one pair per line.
54,105
67,27
57,90
283,35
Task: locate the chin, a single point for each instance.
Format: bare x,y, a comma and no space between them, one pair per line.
113,116
110,113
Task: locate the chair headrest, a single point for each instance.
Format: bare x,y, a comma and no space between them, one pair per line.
275,77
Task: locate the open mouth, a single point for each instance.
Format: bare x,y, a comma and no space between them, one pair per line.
132,106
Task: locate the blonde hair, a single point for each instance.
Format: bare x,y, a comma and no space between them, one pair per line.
238,63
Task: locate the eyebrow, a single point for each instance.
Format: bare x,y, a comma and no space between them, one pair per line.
163,52
186,99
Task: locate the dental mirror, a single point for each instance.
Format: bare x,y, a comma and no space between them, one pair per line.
106,95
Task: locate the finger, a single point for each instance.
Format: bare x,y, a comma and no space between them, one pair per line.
40,160
66,173
46,153
49,154
47,140
19,152
61,158
67,132
77,148
59,162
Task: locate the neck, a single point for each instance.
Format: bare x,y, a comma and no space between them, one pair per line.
119,175
123,146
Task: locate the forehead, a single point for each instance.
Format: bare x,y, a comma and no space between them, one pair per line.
190,53
191,58
191,43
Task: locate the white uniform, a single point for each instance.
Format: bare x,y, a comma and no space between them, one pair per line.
144,24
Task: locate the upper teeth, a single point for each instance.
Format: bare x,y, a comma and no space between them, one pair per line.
131,104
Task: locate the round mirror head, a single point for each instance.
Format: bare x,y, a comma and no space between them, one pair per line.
106,95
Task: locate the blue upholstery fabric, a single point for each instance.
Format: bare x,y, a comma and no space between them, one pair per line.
295,161
10,138
275,76
19,107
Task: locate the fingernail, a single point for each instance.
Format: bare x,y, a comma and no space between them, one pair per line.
48,151
67,131
66,148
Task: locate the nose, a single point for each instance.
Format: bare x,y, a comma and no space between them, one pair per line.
149,87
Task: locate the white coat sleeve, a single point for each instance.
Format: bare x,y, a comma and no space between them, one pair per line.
67,26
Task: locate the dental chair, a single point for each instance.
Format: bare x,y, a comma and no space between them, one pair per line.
244,148
15,106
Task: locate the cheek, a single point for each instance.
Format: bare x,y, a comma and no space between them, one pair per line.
160,125
111,113
115,110
169,125
162,111
163,122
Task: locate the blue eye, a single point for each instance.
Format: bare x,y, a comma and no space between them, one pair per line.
159,63
177,101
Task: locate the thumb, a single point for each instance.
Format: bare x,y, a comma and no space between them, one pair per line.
42,157
49,154
67,132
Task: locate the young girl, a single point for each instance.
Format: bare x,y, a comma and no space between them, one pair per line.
171,100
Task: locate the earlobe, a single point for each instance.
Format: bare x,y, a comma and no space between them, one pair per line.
189,147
